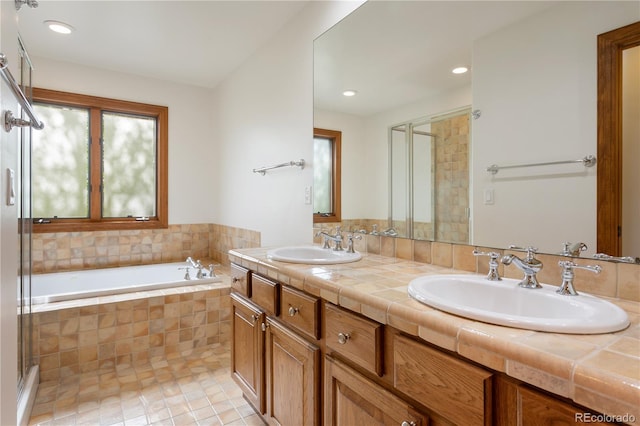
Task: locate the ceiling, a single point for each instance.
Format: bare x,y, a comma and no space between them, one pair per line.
192,42
415,44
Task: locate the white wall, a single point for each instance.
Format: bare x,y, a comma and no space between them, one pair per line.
515,72
263,116
192,187
8,228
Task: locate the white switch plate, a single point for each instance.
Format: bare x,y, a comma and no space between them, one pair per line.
489,196
307,195
11,187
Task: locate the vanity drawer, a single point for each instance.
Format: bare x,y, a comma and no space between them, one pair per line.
355,338
300,311
266,294
459,391
240,280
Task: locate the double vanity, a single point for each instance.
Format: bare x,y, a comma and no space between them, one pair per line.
374,340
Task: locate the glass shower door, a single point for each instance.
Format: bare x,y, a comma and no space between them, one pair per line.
23,200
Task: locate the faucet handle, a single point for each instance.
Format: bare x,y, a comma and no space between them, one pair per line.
573,250
566,288
493,274
350,238
186,273
530,250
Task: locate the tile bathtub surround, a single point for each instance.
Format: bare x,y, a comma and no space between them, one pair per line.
189,388
599,371
80,336
64,251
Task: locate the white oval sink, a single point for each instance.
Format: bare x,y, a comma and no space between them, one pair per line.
312,255
504,303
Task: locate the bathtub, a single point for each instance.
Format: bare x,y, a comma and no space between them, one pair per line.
62,286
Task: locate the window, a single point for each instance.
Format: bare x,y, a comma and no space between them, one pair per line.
326,175
98,164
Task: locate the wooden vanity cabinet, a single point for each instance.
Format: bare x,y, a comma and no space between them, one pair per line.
276,362
373,373
247,350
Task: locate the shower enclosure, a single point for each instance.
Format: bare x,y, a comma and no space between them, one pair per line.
429,177
27,372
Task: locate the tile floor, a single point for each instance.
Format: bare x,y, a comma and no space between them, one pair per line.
192,388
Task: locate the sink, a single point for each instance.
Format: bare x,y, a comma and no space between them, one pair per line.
504,303
312,255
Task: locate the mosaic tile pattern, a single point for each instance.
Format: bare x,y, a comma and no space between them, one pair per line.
190,388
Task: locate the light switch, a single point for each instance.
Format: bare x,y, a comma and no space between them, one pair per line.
488,196
307,195
11,187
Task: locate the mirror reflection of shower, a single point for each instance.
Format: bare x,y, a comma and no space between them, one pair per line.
429,177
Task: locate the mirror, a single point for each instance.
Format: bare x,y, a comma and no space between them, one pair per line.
535,91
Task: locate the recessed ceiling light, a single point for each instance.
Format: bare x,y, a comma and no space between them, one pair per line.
460,70
59,27
349,93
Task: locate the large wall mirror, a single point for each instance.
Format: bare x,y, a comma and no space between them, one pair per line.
532,89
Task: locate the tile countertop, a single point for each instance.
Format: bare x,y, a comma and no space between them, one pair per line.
600,371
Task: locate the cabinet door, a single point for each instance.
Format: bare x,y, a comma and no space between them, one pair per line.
293,378
538,409
247,350
352,399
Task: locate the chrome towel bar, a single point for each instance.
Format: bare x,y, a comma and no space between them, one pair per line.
9,120
588,161
263,170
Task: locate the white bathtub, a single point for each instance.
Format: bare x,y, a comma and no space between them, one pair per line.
60,286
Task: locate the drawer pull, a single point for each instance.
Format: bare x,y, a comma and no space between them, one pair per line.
343,337
236,279
293,311
406,423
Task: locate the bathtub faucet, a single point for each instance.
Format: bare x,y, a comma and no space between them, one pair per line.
197,265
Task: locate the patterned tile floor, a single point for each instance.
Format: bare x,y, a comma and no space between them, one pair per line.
182,389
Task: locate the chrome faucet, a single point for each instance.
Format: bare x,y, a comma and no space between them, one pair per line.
350,238
197,265
573,250
529,265
566,288
389,232
337,239
493,274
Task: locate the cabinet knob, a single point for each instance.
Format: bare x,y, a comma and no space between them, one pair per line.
236,279
406,423
343,337
254,317
264,326
293,311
